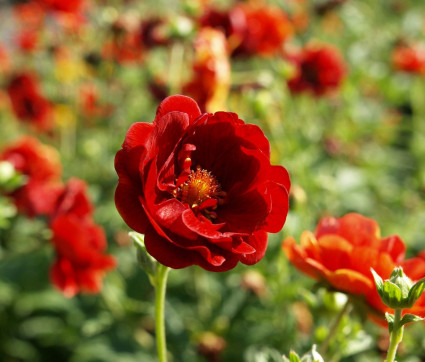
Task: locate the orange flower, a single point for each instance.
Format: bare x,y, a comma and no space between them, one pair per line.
341,253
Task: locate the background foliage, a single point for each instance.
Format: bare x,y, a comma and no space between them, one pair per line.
361,149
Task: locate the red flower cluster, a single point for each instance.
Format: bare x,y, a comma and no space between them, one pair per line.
409,58
211,81
319,69
28,104
342,251
78,241
200,187
251,30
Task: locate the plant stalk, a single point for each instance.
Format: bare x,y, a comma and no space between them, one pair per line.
395,336
160,290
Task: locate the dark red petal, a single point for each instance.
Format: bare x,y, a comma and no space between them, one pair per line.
280,175
167,253
168,131
279,206
202,226
129,206
244,213
137,135
61,276
255,136
178,103
259,242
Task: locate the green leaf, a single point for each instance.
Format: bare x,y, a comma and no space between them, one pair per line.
393,295
293,357
146,261
409,318
378,281
416,291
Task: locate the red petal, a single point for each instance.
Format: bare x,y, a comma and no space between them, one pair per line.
129,206
394,246
279,207
244,213
137,135
259,242
204,227
178,103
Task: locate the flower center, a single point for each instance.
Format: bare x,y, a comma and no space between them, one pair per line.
200,186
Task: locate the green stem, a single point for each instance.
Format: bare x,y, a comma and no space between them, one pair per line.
334,327
395,336
160,289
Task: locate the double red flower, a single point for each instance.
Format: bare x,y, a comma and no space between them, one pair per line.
342,251
318,69
200,187
28,103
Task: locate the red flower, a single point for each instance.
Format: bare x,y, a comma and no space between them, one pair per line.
266,30
410,58
28,104
200,187
42,167
211,81
80,264
74,200
414,268
342,251
319,69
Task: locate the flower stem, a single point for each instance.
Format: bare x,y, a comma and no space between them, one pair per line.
334,328
160,289
396,336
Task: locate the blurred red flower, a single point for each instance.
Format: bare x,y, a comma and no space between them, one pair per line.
211,80
66,6
266,30
124,45
414,268
250,30
200,187
28,104
27,40
341,253
4,60
80,264
41,165
319,69
153,32
409,58
232,23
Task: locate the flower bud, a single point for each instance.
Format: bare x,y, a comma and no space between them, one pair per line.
399,291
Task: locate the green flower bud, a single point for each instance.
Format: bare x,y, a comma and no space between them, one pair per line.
399,291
